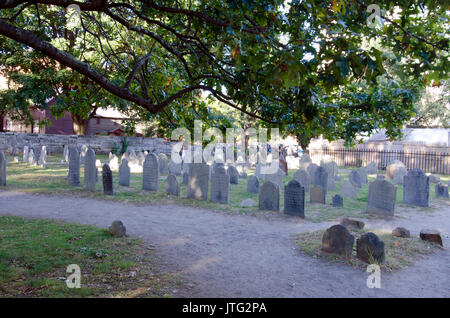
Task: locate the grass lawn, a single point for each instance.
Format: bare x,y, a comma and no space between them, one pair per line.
52,180
34,255
399,252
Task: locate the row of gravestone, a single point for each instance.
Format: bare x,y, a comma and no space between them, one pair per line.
36,156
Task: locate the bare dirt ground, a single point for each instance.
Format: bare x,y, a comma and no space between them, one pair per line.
223,255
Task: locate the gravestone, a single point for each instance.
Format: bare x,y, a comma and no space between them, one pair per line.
355,178
25,154
269,196
107,180
117,229
31,157
304,162
172,185
43,157
83,151
163,164
441,190
338,201
348,190
90,170
370,249
311,169
36,152
399,174
294,199
174,168
150,173
416,188
381,198
302,177
113,162
74,167
338,240
65,154
220,185
321,179
253,185
247,203
124,173
185,177
2,169
363,173
430,235
401,232
276,178
434,178
234,175
371,168
317,195
198,181
381,177
391,167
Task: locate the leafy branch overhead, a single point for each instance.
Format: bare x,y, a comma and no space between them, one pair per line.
310,67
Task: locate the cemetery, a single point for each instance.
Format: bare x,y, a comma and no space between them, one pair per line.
224,149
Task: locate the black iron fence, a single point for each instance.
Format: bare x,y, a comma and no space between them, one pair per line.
433,162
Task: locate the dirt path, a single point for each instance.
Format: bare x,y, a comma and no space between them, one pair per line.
224,255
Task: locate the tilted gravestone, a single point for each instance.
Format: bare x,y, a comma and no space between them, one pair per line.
234,175
348,190
399,174
124,173
294,199
253,184
172,185
150,173
220,186
381,198
25,154
338,201
2,169
74,167
163,164
416,188
317,195
355,178
269,196
302,177
107,180
90,170
441,190
198,181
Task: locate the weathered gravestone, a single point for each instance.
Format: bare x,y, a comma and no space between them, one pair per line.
150,173
74,167
37,153
2,169
43,157
276,178
430,235
117,229
253,185
31,157
269,196
363,174
338,240
321,179
174,168
198,181
172,185
124,173
83,151
392,166
65,154
234,174
348,190
311,169
355,178
163,164
381,177
399,174
90,170
338,201
381,198
220,185
371,168
416,188
294,199
370,249
25,154
304,162
441,190
317,195
302,177
107,180
113,162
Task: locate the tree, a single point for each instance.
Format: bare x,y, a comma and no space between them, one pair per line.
299,65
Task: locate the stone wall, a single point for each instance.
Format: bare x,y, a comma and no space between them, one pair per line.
100,144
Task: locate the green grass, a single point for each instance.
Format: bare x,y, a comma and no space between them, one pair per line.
399,252
34,255
52,180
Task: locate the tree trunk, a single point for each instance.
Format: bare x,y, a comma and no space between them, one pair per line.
2,118
80,124
304,141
